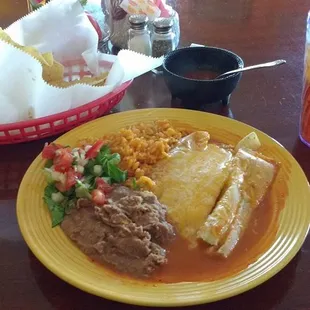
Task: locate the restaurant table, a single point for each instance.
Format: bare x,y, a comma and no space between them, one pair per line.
270,100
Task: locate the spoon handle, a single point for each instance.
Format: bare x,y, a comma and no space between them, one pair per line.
264,65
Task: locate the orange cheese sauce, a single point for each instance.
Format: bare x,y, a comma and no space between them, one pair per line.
196,265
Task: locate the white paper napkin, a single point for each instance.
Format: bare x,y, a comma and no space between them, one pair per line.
63,28
196,45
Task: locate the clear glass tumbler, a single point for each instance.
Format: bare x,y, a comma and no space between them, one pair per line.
305,113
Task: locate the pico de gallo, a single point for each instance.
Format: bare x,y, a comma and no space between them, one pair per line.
81,172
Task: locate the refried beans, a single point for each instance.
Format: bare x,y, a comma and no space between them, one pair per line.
129,232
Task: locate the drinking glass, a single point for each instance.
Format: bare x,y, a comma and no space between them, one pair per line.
305,112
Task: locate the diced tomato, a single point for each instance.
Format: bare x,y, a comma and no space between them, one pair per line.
61,187
103,186
94,150
49,150
98,197
63,160
71,177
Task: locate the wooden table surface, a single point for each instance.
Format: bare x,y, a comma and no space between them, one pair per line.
257,30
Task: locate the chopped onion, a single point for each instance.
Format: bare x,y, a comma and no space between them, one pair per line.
58,176
97,170
80,169
57,197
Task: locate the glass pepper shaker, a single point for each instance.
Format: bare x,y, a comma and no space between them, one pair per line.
163,38
138,35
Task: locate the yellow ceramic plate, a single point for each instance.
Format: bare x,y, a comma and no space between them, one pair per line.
59,255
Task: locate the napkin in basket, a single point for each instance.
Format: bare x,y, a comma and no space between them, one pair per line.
60,27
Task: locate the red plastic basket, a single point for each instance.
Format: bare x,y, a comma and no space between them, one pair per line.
55,124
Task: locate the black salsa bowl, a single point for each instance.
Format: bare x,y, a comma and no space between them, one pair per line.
180,62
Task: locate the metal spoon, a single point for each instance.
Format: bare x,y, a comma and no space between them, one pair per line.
264,65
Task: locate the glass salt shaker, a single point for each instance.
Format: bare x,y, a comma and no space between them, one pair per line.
138,35
163,40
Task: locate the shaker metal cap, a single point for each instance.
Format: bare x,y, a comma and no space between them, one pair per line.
162,24
138,21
